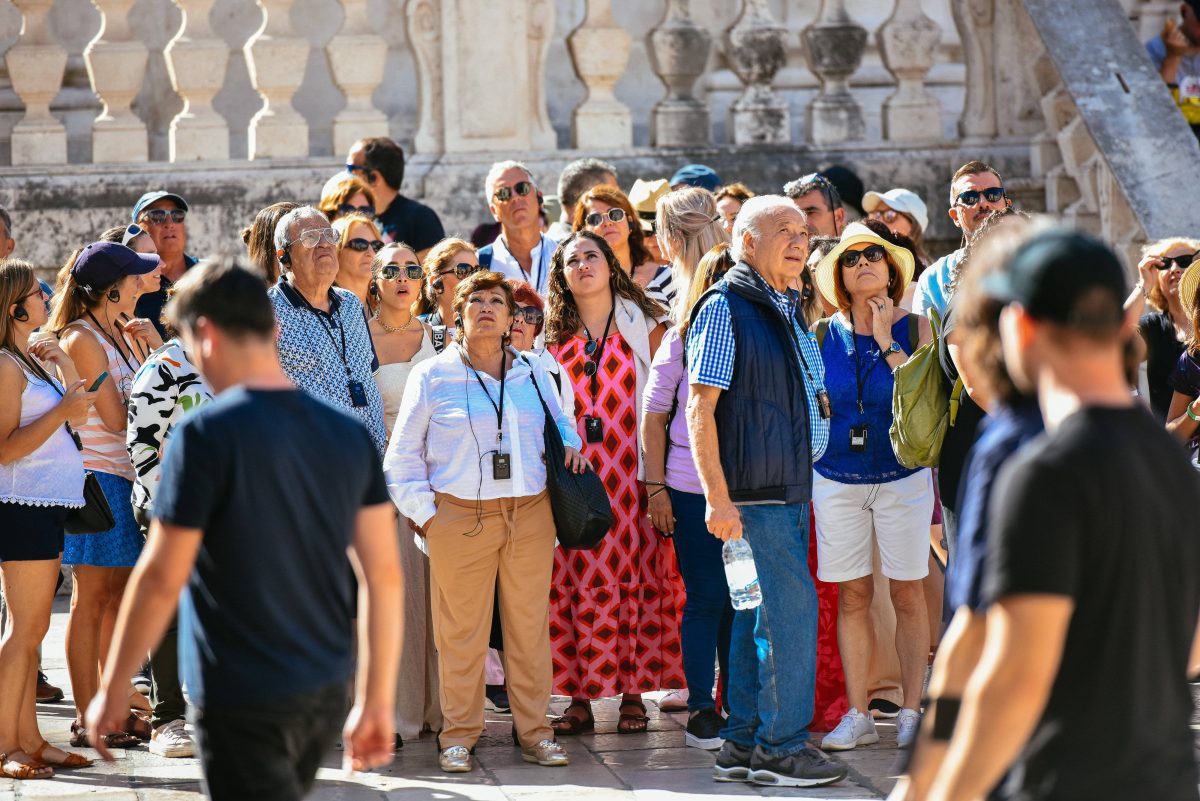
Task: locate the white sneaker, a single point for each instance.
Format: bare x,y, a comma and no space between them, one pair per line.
907,723
171,740
674,701
855,729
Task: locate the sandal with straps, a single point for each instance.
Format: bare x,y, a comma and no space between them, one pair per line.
10,768
72,760
79,738
572,724
639,722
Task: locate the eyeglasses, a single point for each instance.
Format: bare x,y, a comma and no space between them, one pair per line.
595,218
505,193
313,236
814,180
1181,262
850,258
460,270
159,216
361,245
971,197
412,271
884,215
346,208
131,233
532,314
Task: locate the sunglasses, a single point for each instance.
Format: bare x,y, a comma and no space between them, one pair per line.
313,236
532,314
361,245
131,233
461,270
159,216
353,168
850,258
505,193
884,216
390,272
1172,262
346,208
971,197
595,218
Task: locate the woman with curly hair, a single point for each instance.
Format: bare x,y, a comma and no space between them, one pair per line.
614,610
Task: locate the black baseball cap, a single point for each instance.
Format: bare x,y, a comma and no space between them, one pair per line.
1055,272
102,264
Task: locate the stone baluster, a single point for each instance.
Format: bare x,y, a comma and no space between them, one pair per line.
357,56
116,62
35,67
679,53
276,58
539,30
600,50
757,49
908,42
976,22
835,45
196,60
425,34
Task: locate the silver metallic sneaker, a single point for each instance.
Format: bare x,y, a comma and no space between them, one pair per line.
546,753
455,759
907,724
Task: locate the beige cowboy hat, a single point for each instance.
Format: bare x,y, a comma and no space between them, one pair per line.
859,234
643,196
1188,285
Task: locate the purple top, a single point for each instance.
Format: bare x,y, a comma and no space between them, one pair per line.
667,384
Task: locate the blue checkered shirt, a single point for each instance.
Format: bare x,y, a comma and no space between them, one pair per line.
711,350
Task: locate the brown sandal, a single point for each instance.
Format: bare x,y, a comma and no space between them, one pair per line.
138,725
72,760
639,722
79,738
572,724
10,768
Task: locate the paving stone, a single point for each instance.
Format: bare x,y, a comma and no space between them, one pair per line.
659,758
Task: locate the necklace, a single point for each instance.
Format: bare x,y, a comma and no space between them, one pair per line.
394,329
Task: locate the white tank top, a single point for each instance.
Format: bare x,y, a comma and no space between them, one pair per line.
53,474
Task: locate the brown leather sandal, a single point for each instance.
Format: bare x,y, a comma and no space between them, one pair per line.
10,768
573,724
138,725
79,738
72,760
632,724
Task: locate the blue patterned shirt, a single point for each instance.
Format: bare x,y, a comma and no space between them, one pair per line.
711,351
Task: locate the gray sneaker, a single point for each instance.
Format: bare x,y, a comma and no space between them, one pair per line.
807,768
733,763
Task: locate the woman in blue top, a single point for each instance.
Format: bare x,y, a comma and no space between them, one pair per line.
860,491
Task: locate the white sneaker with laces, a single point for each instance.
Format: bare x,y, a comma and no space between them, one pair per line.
171,740
907,723
855,729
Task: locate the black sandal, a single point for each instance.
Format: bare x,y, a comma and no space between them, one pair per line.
570,724
640,721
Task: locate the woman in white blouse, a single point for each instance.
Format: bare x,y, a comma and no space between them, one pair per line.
466,465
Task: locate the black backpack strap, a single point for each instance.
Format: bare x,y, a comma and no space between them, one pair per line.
914,332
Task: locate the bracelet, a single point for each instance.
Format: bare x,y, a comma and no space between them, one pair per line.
654,483
1192,415
656,492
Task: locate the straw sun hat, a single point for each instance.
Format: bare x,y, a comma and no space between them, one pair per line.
856,234
1188,284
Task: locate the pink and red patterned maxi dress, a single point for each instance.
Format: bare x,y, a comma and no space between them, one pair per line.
614,611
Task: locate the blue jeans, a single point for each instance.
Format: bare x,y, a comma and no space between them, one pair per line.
773,651
708,613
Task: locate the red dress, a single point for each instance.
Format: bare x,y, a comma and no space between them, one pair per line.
830,702
615,610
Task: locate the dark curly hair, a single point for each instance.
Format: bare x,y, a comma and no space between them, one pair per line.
562,315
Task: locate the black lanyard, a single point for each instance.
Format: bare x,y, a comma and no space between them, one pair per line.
533,278
860,380
592,381
42,375
500,406
327,326
117,345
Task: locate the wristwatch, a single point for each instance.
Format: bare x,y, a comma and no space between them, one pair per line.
893,348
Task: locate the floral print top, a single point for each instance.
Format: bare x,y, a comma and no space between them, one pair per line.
166,387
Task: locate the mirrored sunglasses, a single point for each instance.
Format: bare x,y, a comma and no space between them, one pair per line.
392,271
971,197
884,215
160,216
346,208
362,244
131,233
532,314
461,270
505,193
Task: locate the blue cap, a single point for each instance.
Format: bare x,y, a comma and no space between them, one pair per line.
697,175
158,194
102,264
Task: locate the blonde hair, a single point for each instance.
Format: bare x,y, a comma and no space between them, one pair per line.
341,194
690,216
16,281
435,260
1156,297
714,264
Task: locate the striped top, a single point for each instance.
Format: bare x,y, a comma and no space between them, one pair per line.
104,450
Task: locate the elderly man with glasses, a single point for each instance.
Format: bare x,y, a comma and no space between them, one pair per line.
324,343
976,191
162,215
521,251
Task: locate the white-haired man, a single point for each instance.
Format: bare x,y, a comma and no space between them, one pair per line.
324,343
755,432
521,251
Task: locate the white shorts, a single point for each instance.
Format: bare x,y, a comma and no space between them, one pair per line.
898,512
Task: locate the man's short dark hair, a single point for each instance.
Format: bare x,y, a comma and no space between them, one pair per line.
581,175
384,156
814,182
228,294
975,167
7,220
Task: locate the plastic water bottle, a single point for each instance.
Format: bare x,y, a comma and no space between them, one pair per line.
741,574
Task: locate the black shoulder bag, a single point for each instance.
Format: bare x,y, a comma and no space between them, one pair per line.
582,511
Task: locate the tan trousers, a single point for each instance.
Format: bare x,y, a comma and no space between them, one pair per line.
470,544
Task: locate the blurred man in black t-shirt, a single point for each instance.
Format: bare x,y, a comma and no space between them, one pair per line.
1094,571
380,162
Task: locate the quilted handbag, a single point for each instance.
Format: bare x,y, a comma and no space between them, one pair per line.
582,511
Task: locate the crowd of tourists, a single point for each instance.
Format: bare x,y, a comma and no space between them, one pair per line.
345,454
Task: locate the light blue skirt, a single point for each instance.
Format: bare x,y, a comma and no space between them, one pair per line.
121,544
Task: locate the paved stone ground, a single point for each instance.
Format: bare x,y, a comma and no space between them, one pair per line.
604,765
